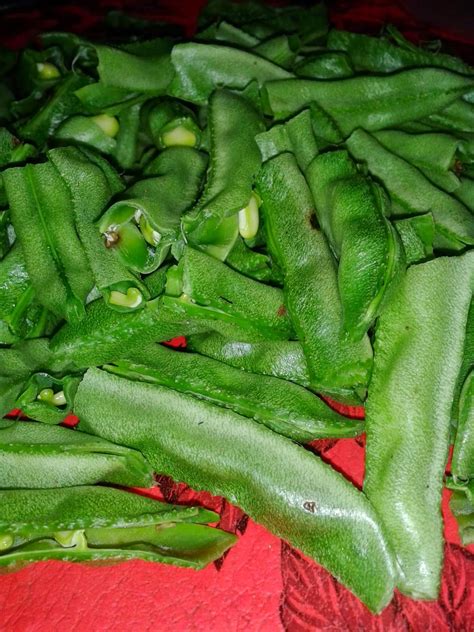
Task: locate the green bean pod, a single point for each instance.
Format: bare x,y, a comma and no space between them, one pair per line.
412,193
229,296
436,155
279,484
467,365
325,65
457,117
143,226
336,365
21,315
295,135
224,31
105,335
282,406
417,234
84,130
462,464
44,224
280,49
253,264
351,211
418,353
213,224
35,456
370,102
378,54
103,524
92,182
201,68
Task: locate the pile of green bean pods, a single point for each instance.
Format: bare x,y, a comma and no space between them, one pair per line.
298,202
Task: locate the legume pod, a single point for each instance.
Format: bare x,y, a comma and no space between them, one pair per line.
417,234
201,68
283,406
35,456
418,353
143,226
91,182
279,484
335,364
213,224
46,398
412,193
370,102
462,464
44,224
351,210
226,295
96,524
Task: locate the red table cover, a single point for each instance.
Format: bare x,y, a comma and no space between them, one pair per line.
262,584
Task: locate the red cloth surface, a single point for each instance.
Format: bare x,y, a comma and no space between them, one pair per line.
262,584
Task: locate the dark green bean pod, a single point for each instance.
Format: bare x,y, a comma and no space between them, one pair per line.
21,315
127,150
295,135
436,155
136,70
13,150
376,54
465,193
351,210
201,68
369,101
100,524
92,182
35,456
467,365
226,295
418,353
457,117
280,49
282,406
213,224
41,214
84,130
417,234
325,65
143,226
336,365
105,335
412,193
279,484
224,31
97,98
60,105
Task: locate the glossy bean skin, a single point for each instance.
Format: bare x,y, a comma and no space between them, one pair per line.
351,210
411,192
36,456
325,65
87,524
212,224
310,280
370,102
418,353
288,490
284,407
